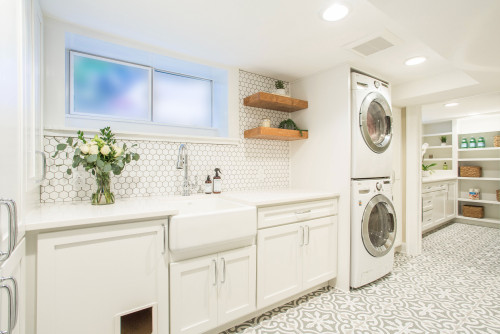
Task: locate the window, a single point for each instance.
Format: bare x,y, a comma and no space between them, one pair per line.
182,100
104,87
133,90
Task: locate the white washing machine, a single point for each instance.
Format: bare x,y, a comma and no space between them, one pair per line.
373,230
372,127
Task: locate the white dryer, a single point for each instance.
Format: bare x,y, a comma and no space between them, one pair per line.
372,127
373,230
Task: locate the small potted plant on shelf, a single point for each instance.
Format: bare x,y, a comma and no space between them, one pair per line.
280,87
426,169
443,140
101,155
289,124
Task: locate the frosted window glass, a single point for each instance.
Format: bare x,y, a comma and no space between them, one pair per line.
180,100
109,88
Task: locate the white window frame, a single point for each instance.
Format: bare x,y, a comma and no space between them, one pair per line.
225,93
71,111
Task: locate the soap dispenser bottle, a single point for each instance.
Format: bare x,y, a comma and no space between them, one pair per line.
208,185
217,182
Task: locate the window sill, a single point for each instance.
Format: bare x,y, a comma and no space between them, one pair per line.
125,135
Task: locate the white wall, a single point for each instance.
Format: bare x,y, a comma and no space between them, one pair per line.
479,123
413,227
397,176
55,75
323,161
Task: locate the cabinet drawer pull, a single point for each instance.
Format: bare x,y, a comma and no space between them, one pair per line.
307,234
215,272
301,235
164,230
44,166
14,302
12,228
10,323
223,270
302,212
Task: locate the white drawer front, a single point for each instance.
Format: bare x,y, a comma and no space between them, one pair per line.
291,213
426,204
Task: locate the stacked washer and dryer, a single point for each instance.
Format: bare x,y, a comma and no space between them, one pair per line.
373,218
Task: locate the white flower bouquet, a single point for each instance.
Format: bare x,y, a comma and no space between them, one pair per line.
100,155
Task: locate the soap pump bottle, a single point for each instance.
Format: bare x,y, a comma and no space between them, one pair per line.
217,182
208,185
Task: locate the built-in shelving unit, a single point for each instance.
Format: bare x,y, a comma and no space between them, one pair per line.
479,201
275,134
436,151
480,178
488,159
275,102
437,134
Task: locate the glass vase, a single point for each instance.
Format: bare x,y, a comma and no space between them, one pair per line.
103,194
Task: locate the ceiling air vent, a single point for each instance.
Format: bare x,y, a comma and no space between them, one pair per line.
372,46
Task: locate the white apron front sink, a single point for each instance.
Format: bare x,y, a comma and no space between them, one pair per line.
210,225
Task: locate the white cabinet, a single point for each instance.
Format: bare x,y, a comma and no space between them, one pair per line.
209,291
292,258
12,288
87,278
438,203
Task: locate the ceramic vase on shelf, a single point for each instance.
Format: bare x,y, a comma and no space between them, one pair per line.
280,91
103,194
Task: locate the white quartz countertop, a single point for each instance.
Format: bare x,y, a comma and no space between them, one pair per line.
276,197
429,179
73,214
82,214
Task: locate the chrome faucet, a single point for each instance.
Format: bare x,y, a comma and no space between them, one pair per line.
182,163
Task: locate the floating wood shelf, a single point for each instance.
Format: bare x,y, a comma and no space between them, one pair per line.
275,134
274,102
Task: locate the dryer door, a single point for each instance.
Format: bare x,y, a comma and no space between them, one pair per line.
375,121
379,225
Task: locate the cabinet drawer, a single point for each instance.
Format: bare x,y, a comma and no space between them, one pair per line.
427,215
433,187
291,213
426,204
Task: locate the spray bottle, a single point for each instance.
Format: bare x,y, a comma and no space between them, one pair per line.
217,181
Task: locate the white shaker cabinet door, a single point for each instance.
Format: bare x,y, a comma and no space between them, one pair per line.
237,283
279,263
319,251
193,295
88,277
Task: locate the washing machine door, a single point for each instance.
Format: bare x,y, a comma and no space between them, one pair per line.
375,121
378,229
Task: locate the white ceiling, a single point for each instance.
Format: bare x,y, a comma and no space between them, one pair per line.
287,39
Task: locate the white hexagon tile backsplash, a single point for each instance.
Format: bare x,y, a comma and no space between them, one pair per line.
252,164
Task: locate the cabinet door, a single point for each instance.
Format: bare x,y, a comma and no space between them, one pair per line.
86,277
193,295
319,251
438,207
451,201
12,292
237,283
279,263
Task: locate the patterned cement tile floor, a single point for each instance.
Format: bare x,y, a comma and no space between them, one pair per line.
453,287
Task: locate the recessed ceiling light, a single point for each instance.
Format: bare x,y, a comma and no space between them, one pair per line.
335,12
451,104
415,61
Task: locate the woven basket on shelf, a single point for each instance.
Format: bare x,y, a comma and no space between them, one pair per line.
496,141
470,171
473,211
498,195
